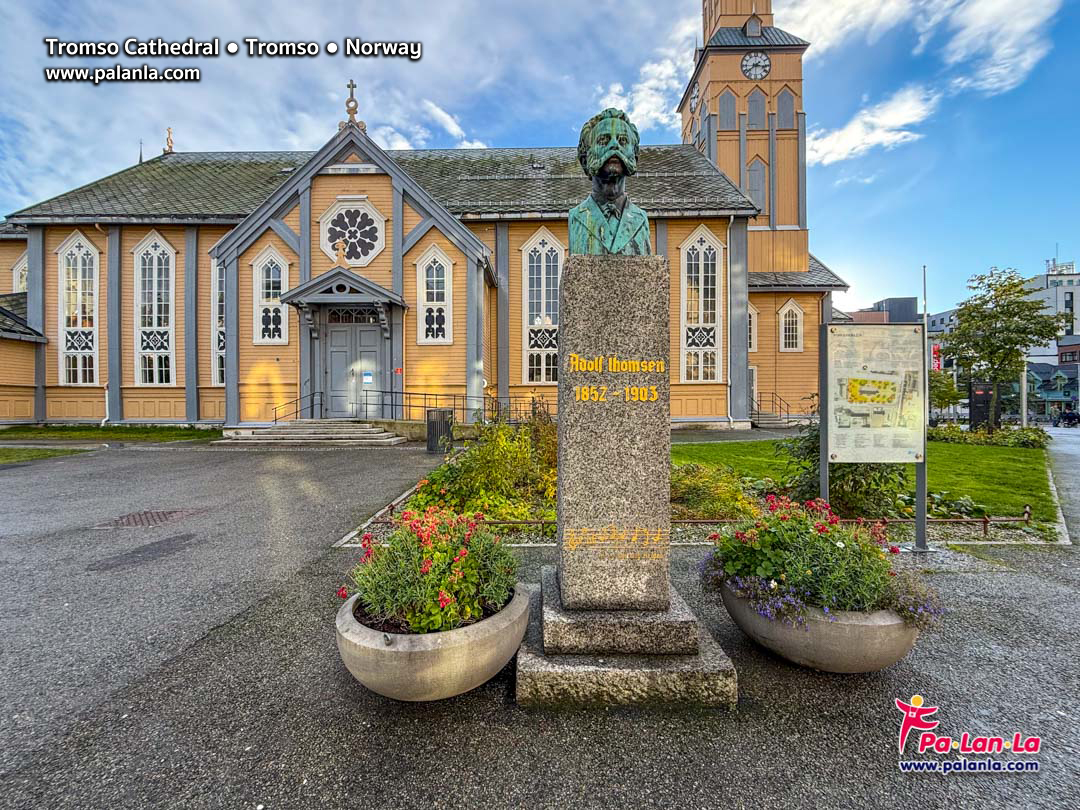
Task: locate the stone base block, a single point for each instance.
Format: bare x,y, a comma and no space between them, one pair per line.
670,632
705,679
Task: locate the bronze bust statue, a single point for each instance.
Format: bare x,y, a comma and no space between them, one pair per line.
606,222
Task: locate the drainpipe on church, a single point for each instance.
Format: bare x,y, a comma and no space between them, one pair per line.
106,419
731,223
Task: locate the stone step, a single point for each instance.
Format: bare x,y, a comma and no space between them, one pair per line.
331,441
705,679
670,632
308,431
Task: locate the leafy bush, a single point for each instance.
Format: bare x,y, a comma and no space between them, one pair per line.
709,493
1032,437
940,505
437,571
801,555
868,490
506,473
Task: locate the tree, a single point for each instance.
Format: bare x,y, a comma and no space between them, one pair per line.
995,327
943,391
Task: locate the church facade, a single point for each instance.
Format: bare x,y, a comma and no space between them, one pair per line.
354,281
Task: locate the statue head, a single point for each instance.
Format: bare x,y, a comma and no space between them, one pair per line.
608,144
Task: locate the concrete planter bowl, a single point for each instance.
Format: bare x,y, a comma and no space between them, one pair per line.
855,642
431,666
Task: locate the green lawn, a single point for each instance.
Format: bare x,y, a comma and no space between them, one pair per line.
1003,478
119,433
13,455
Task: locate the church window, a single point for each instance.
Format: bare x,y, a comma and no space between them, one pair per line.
77,266
726,114
541,267
751,328
757,180
785,109
435,297
155,262
756,109
358,225
270,280
791,327
19,274
702,265
217,322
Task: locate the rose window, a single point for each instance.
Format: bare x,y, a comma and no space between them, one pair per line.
356,228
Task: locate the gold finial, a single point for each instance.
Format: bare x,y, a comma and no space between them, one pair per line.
351,106
339,246
168,141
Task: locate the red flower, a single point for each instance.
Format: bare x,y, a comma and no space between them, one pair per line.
714,536
367,555
461,555
445,599
892,573
894,549
425,567
343,592
785,517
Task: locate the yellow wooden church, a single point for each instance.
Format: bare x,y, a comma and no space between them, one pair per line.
244,287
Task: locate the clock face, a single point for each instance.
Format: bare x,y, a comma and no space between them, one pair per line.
694,97
756,65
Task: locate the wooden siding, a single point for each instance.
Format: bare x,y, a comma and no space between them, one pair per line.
269,375
325,189
792,375
10,251
17,385
779,251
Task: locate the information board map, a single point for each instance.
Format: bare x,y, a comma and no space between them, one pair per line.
875,408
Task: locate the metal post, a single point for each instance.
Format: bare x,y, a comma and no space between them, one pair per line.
823,412
1023,396
920,507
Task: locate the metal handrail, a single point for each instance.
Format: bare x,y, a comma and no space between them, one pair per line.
413,405
313,396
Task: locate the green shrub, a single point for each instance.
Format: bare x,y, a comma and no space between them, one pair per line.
855,490
1032,437
795,556
708,493
437,571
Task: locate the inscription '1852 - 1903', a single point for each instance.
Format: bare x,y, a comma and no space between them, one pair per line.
617,365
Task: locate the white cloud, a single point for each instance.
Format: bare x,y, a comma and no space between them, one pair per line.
651,100
885,125
467,144
389,138
828,25
442,118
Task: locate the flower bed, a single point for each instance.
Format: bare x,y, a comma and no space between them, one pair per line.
1001,437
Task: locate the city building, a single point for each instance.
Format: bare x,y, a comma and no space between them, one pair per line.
1057,288
354,281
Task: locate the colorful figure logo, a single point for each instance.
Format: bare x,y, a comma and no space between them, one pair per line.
915,715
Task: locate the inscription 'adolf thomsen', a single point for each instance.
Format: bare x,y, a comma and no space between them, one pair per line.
614,363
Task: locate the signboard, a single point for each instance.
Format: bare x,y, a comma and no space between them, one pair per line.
875,400
935,356
369,378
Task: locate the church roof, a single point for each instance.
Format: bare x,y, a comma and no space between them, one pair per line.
472,183
13,319
9,230
817,277
770,38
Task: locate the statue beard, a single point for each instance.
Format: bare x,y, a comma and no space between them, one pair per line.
609,180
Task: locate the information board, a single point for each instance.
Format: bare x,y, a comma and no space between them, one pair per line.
875,394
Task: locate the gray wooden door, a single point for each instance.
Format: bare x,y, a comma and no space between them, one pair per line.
352,371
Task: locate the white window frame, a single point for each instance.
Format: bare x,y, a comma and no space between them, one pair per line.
781,316
432,254
753,317
551,242
217,321
267,254
167,249
61,371
694,241
21,268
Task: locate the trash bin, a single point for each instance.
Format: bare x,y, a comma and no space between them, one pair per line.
440,426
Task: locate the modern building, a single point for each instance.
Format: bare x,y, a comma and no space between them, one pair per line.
1057,288
890,310
240,287
1068,349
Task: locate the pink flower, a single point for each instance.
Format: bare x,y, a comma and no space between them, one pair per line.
894,549
343,592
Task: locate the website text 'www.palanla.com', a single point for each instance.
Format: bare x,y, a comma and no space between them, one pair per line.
120,73
952,766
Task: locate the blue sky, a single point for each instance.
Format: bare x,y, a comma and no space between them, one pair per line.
942,131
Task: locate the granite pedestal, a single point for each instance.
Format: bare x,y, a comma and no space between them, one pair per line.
606,626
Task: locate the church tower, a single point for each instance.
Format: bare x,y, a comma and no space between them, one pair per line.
743,109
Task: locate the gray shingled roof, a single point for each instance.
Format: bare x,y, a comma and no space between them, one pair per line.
9,230
13,318
839,315
471,183
770,37
818,276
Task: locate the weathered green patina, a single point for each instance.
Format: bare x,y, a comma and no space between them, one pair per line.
606,222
